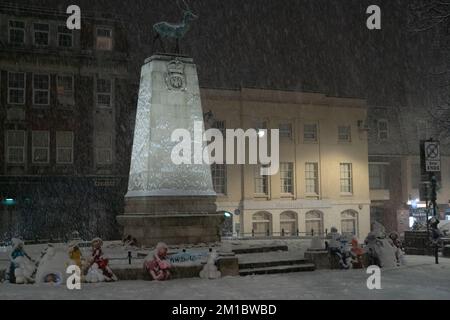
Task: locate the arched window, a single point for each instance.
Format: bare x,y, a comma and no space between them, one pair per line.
288,223
349,222
262,224
314,223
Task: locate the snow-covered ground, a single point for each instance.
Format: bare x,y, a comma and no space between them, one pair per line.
420,279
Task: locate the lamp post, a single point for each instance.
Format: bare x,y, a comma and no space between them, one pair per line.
9,203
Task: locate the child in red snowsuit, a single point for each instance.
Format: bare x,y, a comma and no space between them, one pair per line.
100,260
157,265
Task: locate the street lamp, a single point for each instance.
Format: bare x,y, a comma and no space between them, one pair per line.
9,203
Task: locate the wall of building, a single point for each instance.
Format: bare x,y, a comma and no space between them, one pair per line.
247,108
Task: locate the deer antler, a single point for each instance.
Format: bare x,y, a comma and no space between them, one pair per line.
186,7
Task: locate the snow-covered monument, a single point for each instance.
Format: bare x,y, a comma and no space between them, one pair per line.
166,201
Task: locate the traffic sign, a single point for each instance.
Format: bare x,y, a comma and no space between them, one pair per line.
432,156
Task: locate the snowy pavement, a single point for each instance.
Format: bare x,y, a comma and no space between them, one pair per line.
420,279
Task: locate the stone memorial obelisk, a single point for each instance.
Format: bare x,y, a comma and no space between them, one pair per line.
165,201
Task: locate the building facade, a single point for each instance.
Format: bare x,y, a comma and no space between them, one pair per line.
323,176
65,97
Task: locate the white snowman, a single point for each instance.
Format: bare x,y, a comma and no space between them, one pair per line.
210,270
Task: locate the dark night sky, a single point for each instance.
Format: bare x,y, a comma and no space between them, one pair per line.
310,45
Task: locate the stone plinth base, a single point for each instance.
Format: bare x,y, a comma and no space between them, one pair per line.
319,258
173,229
173,220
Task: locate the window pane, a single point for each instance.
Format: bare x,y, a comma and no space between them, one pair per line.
16,32
218,172
311,178
261,182
64,139
41,34
285,130
310,132
103,86
344,133
286,176
16,80
16,138
346,178
64,37
41,81
40,144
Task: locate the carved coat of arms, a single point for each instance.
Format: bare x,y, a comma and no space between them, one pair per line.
175,77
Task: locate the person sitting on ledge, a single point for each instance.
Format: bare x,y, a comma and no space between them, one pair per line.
156,264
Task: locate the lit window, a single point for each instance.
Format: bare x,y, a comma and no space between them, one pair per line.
65,90
383,130
64,147
104,93
310,132
344,134
65,37
41,89
312,178
104,39
15,145
16,32
16,88
346,178
285,130
219,177
40,146
261,181
41,31
286,177
103,148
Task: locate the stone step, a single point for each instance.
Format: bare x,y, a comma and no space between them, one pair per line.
278,269
272,263
259,249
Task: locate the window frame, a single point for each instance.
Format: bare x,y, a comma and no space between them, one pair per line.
34,148
16,28
111,93
307,140
40,31
58,34
291,178
257,176
109,28
24,89
102,148
384,179
223,177
349,133
349,178
41,90
8,147
315,179
58,148
72,98
386,131
281,131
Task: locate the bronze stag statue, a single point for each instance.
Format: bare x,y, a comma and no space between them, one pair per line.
175,31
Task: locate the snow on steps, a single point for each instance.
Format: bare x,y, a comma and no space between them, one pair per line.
278,269
273,262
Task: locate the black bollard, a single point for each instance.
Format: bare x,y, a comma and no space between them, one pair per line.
129,257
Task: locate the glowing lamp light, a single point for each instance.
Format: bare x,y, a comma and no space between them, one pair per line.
9,201
227,215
